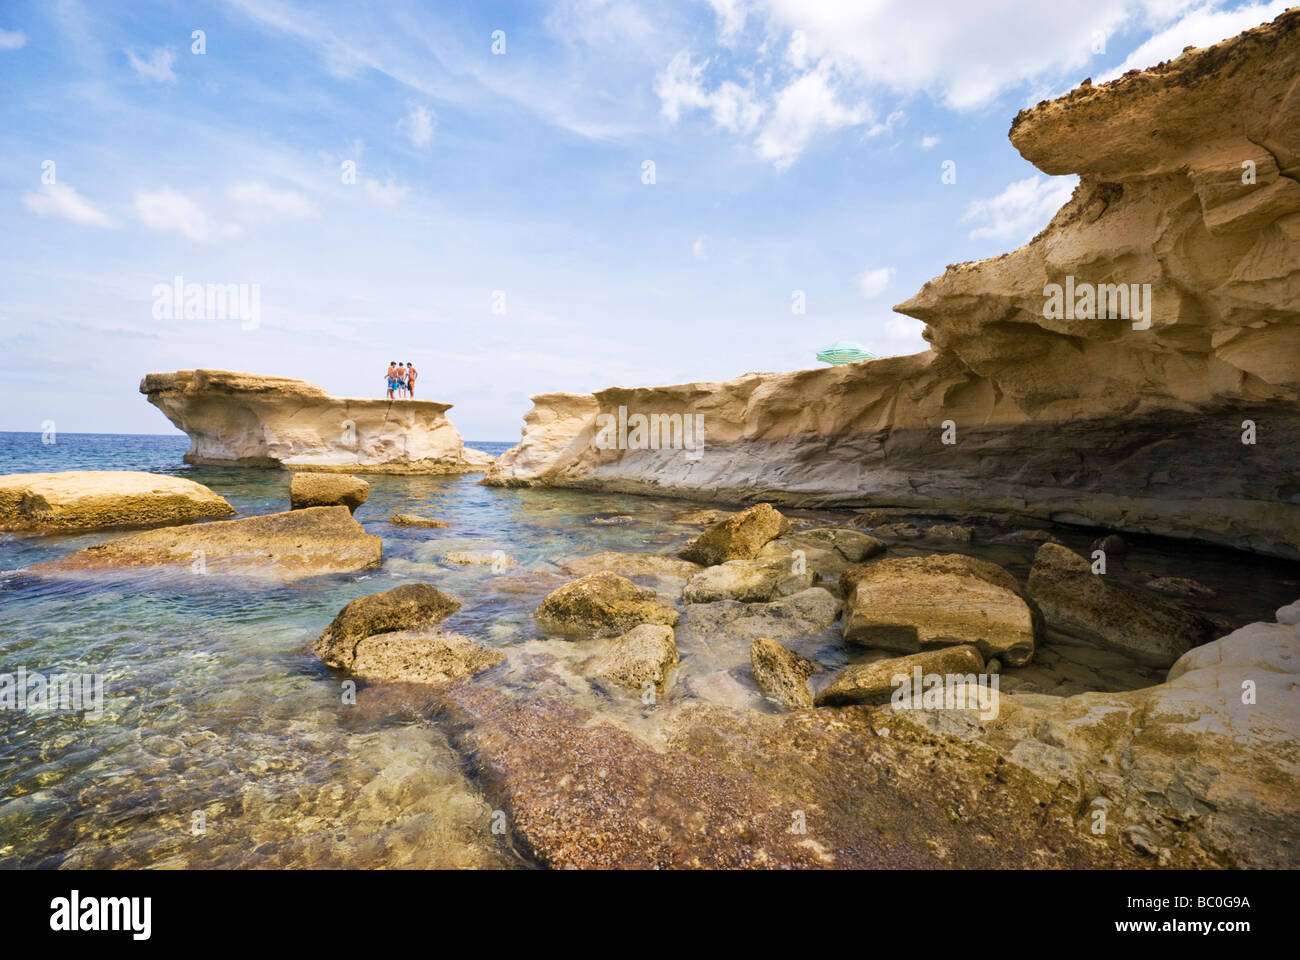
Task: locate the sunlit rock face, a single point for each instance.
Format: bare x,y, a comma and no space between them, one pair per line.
251,420
1177,415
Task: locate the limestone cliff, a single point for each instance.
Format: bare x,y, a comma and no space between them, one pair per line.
258,421
1188,182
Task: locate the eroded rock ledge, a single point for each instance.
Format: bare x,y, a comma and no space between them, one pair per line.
1086,421
250,420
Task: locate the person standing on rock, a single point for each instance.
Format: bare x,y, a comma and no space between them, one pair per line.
410,379
391,377
401,380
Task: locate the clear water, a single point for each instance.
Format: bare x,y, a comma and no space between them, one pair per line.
224,742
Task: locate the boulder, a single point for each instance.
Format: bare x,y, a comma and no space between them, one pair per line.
410,607
421,656
898,531
873,683
853,545
738,537
746,580
1113,545
1153,631
909,604
642,655
601,605
415,520
782,674
327,490
950,531
99,499
288,546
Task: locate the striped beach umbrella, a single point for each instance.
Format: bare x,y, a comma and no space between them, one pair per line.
844,351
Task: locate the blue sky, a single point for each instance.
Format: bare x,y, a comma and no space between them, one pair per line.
798,145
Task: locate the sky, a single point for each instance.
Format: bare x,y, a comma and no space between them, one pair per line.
518,198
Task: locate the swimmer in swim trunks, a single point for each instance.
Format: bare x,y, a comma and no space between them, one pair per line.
391,377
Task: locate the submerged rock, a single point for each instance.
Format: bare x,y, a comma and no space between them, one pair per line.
412,606
745,580
738,537
484,558
288,546
852,545
416,520
950,531
632,565
1179,587
602,605
911,603
642,655
1152,631
101,499
421,656
327,490
873,683
806,613
782,674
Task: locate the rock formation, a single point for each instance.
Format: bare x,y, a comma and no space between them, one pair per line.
100,499
1188,182
255,421
327,490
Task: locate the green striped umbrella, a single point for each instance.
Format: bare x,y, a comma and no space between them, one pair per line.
844,351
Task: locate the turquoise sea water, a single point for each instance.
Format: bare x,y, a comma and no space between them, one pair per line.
224,742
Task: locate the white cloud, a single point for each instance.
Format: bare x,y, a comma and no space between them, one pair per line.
929,142
259,203
1201,27
418,125
1022,209
387,194
804,108
12,39
681,87
697,248
872,283
170,211
731,16
158,67
62,201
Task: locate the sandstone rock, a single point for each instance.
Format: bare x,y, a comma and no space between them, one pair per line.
950,531
289,546
632,565
803,614
485,558
738,537
1113,544
421,656
602,605
1041,400
410,607
898,531
911,603
415,520
1076,601
703,517
745,580
782,674
327,490
853,545
257,421
642,655
873,683
101,499
1290,614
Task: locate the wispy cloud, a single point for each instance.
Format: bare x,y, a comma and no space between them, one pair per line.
1021,210
418,125
872,283
62,201
12,39
157,68
170,211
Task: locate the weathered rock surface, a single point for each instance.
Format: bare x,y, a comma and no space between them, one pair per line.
1198,771
1085,421
602,605
497,559
737,537
102,499
782,674
873,683
1151,630
288,546
806,613
746,580
642,655
415,520
421,656
410,607
327,490
912,603
632,565
852,545
257,421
